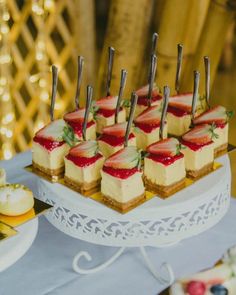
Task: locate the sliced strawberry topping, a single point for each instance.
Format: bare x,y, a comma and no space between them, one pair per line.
151,115
86,149
143,91
182,102
107,103
167,147
53,131
117,130
217,115
201,134
126,158
196,288
77,116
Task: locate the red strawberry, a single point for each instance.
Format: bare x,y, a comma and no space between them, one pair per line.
76,116
107,103
143,91
167,147
182,101
196,288
217,115
117,130
151,115
53,131
201,134
86,149
127,158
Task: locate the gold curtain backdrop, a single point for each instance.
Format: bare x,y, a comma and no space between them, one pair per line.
37,33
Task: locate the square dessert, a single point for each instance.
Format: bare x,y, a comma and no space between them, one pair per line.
113,137
147,127
122,185
105,112
164,167
83,166
199,150
75,120
218,116
49,148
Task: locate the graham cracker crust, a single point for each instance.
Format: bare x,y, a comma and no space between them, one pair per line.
84,188
164,191
199,173
124,207
51,172
221,150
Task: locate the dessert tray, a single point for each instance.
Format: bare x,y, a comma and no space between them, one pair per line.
14,248
157,223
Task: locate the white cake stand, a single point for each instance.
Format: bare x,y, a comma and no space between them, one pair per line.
15,247
157,223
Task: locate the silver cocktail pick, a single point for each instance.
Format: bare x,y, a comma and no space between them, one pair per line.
54,90
79,79
196,77
154,43
207,79
87,109
178,69
111,52
122,86
134,99
164,110
151,77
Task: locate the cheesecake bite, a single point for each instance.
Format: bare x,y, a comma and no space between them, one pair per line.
199,150
122,185
147,127
105,109
143,101
113,137
75,120
164,167
49,148
82,167
218,116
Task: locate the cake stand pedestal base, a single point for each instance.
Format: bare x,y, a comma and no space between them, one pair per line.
165,275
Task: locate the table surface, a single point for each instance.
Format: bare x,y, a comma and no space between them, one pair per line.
47,266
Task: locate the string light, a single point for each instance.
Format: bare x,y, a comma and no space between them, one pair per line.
6,105
41,9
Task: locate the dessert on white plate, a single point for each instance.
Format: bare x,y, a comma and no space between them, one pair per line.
15,199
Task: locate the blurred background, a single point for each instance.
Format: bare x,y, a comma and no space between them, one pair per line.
36,33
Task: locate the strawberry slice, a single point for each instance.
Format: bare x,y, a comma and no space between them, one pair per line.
107,103
143,91
217,115
77,116
117,130
151,115
86,149
168,147
53,131
127,158
201,134
182,102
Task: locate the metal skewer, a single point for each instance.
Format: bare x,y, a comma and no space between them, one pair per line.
151,77
207,79
154,43
87,110
122,86
178,69
134,99
79,79
196,77
111,52
54,90
164,110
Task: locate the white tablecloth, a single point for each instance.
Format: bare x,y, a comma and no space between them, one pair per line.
46,268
